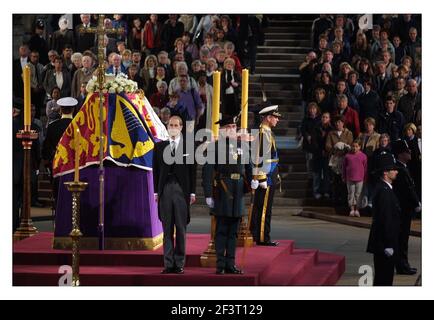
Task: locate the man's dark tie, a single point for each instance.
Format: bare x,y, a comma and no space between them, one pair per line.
172,148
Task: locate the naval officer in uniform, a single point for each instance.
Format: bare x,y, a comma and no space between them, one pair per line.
265,176
55,132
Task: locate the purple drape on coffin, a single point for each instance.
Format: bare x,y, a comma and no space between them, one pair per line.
130,209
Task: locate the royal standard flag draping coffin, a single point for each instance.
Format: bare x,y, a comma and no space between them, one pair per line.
130,129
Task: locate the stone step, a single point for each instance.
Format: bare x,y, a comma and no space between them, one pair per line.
280,56
283,49
277,68
275,78
283,102
283,106
288,42
290,22
289,123
292,115
295,16
288,29
286,35
273,63
255,84
276,93
285,131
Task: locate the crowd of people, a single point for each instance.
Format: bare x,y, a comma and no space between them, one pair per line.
361,89
171,57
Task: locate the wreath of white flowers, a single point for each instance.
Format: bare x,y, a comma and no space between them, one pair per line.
113,84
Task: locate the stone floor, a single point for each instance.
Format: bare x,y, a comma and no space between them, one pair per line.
326,236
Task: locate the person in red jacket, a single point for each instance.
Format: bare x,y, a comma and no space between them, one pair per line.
152,35
351,116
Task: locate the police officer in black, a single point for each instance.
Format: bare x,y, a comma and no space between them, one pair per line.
405,190
226,177
384,236
265,176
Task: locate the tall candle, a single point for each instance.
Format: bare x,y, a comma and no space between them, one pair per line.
77,155
215,103
27,110
245,99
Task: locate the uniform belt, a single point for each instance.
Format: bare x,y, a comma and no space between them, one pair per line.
232,176
272,160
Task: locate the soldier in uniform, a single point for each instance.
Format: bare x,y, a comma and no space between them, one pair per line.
405,190
226,177
265,176
384,236
55,131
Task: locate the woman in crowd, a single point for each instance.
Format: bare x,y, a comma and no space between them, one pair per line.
160,98
369,143
53,110
365,71
152,35
229,32
309,126
210,45
135,40
361,47
415,164
180,48
181,70
76,59
148,72
190,46
338,143
205,92
230,88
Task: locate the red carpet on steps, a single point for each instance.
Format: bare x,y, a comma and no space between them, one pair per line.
37,264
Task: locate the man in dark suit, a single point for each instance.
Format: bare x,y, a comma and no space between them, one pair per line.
384,236
117,66
405,191
38,43
84,40
225,179
55,131
174,184
109,46
17,71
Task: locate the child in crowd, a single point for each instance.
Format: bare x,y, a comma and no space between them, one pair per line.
354,174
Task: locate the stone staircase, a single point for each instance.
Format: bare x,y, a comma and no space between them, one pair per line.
287,41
